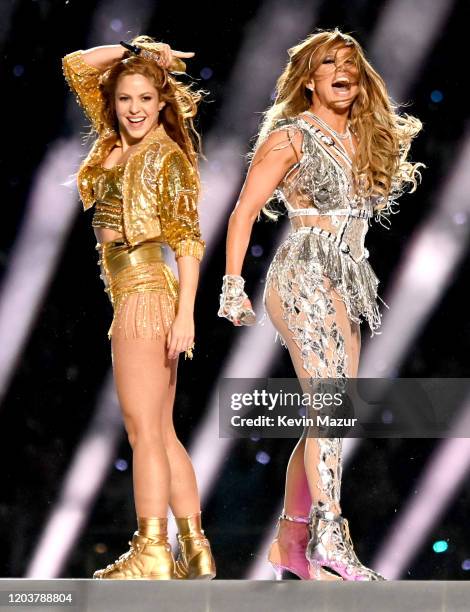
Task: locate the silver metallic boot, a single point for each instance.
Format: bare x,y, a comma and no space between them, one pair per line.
331,547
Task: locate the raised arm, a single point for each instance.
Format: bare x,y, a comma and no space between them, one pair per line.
269,166
82,70
103,57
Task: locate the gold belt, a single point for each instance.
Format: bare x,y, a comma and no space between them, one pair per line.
117,256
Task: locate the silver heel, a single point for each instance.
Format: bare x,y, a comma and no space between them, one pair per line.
330,546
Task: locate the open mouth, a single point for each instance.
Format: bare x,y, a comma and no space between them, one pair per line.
136,120
342,85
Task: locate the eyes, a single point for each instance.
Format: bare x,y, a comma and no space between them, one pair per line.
329,59
145,98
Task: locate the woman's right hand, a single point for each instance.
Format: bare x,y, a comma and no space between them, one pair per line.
167,57
234,303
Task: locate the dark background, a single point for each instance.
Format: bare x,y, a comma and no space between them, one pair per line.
53,392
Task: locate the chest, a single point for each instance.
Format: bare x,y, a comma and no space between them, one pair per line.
107,183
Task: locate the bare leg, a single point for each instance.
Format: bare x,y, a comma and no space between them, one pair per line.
163,473
304,484
142,374
299,494
184,495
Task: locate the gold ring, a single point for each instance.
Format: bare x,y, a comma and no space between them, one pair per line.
188,353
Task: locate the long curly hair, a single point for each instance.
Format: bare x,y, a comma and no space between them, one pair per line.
380,164
181,100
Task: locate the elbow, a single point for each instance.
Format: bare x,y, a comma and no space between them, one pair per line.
242,218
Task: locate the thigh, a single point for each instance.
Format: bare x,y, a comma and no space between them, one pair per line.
143,375
322,341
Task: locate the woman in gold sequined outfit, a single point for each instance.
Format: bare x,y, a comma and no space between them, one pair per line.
141,176
334,151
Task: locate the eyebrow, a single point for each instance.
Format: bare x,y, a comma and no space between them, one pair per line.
145,93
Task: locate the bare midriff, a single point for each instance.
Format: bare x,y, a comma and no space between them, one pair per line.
324,223
104,235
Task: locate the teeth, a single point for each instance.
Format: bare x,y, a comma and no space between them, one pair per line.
138,120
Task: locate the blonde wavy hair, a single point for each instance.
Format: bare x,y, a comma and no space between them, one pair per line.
181,100
380,164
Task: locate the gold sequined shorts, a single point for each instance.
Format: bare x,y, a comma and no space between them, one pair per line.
142,289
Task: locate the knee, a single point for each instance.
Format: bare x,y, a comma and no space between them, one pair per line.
146,434
169,436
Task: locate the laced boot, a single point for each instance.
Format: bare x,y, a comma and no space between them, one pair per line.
195,560
331,547
149,556
287,552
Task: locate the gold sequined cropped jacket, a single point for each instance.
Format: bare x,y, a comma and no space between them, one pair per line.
160,186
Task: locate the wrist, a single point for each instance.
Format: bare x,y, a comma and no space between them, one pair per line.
184,309
233,285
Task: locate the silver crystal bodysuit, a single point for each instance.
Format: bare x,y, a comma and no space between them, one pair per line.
323,259
319,287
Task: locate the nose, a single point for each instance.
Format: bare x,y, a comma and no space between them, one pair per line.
134,107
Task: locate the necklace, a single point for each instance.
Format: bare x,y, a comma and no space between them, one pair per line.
345,136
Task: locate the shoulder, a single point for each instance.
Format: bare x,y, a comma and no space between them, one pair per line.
160,152
287,128
284,137
174,170
175,162
160,143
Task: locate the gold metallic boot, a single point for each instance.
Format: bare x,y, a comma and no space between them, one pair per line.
195,560
149,556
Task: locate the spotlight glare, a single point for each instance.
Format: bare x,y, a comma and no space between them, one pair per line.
206,73
121,465
466,565
101,548
116,25
440,546
460,218
263,458
256,250
437,96
18,70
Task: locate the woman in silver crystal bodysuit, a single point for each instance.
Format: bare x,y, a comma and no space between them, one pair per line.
334,151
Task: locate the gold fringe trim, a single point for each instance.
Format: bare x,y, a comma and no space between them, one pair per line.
192,248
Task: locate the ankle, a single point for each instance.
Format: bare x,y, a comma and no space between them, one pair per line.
326,510
295,518
154,528
292,532
189,526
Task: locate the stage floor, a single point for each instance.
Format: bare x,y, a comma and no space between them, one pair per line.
234,596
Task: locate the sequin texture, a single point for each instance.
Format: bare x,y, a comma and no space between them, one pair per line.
313,261
160,187
107,189
141,287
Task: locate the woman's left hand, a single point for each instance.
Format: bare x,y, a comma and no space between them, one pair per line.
181,336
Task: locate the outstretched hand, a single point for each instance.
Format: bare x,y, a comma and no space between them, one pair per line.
168,55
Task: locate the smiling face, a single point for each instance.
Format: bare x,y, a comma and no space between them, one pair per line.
137,105
336,80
